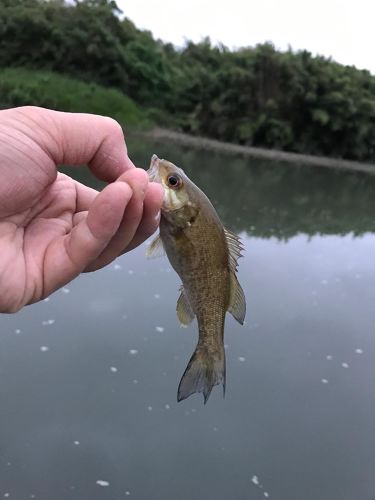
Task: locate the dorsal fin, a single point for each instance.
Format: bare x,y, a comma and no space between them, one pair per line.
235,247
237,303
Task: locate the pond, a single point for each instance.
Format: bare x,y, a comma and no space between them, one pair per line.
88,378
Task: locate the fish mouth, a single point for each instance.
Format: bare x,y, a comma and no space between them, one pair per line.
153,171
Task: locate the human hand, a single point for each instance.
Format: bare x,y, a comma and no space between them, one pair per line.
52,228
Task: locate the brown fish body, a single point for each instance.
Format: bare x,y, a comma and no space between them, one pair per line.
198,249
199,254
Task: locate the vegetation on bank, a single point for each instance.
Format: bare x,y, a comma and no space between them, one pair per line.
255,96
19,87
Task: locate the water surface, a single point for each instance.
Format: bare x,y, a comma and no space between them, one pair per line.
88,378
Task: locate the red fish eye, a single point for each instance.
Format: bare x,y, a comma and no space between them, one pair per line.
174,181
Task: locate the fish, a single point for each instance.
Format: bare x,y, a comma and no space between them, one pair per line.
205,256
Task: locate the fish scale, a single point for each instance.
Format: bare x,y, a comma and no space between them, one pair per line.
204,254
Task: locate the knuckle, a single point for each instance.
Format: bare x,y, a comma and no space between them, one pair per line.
114,127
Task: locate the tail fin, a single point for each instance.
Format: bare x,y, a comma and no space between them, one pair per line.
205,369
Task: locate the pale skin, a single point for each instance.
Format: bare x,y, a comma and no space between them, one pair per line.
53,228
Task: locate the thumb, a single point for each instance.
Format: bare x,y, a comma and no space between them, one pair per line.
69,255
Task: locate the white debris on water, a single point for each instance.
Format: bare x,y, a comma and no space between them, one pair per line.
47,299
130,271
117,267
17,331
65,290
48,322
113,369
359,351
156,296
6,495
159,328
135,381
44,348
100,482
241,358
167,407
345,365
149,408
127,493
255,480
324,282
324,381
133,352
329,357
77,443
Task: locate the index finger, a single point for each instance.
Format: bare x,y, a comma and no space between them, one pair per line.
81,138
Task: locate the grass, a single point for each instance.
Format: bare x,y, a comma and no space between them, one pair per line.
20,87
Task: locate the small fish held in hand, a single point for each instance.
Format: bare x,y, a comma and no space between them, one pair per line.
204,254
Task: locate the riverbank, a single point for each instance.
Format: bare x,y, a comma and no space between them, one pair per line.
161,134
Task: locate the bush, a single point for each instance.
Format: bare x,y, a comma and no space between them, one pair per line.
19,87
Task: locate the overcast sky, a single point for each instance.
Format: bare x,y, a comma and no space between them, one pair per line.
343,29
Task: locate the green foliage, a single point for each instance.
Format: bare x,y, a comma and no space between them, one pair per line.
255,96
19,87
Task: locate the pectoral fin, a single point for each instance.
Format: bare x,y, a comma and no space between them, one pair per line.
156,248
185,313
237,304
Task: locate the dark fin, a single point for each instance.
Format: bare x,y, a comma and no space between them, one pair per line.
237,304
156,248
185,313
204,370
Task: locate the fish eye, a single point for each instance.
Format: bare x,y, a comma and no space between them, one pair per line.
174,181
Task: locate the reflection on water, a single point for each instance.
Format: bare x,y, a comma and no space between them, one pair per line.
265,200
88,378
